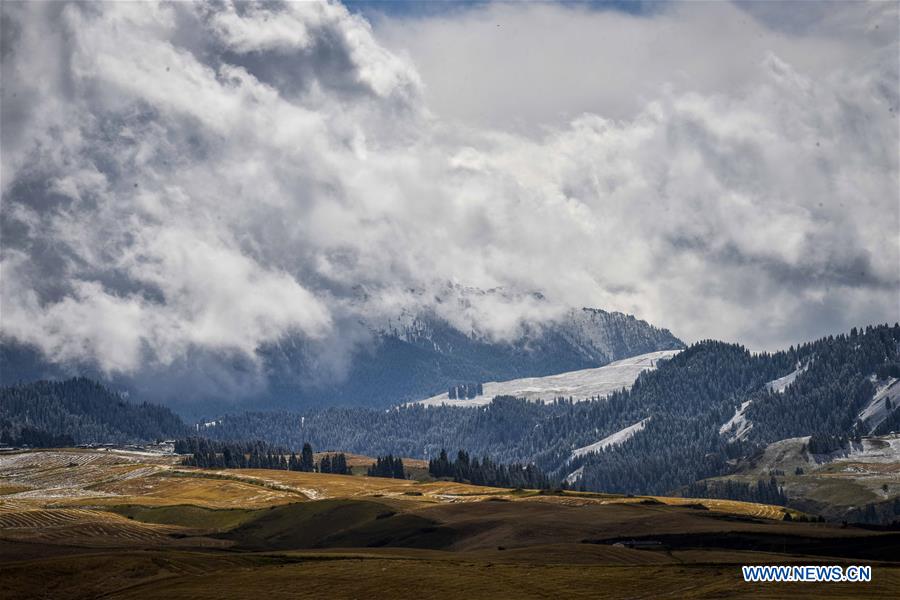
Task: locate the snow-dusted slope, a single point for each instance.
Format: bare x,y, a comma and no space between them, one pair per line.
883,449
619,437
790,453
580,385
575,475
737,427
877,409
588,335
782,383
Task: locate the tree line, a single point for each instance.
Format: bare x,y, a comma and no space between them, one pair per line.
213,454
464,391
387,466
764,492
464,469
688,399
33,438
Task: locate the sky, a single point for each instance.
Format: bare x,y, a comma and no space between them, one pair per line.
194,180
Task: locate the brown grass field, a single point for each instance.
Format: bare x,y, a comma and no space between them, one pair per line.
108,524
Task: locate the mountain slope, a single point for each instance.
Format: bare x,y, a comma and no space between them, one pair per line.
619,437
700,414
855,482
402,360
687,406
422,355
81,409
699,390
585,384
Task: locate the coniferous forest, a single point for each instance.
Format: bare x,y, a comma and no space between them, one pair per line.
464,469
80,411
685,401
202,452
682,405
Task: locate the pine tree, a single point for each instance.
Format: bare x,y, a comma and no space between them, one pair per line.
325,464
387,466
306,458
340,465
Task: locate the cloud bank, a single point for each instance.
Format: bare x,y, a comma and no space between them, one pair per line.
184,180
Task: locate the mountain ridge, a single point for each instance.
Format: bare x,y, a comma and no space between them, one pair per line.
429,354
675,427
388,366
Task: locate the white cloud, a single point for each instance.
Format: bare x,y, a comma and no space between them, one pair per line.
528,65
177,178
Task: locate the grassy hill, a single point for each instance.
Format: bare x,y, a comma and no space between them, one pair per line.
856,482
135,525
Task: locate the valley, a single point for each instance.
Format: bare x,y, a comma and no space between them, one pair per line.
121,524
451,300
673,418
685,467
807,427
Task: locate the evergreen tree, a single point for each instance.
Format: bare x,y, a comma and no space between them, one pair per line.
307,462
485,472
685,402
339,464
325,464
387,466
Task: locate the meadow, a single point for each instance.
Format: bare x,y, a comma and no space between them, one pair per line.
115,524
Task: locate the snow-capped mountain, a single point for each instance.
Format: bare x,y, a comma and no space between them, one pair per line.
417,356
391,361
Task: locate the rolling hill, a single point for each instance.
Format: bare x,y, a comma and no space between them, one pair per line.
855,482
139,525
697,416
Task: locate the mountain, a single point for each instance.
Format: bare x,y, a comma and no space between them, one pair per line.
702,422
403,359
717,402
696,416
418,356
50,413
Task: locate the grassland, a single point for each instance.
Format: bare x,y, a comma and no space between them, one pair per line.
832,485
85,524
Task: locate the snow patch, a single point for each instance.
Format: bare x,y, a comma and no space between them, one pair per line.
876,411
883,449
62,492
779,385
575,475
738,425
580,385
617,438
